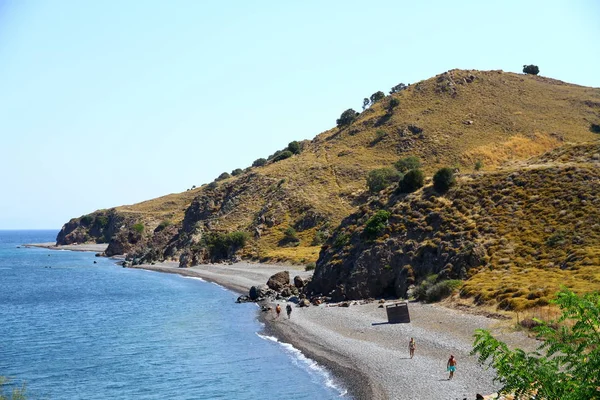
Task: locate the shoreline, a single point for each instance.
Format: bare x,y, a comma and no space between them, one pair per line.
365,354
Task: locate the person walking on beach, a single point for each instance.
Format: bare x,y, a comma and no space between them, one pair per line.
412,347
278,310
451,366
288,309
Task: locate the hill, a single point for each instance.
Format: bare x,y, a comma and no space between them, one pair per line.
285,209
515,234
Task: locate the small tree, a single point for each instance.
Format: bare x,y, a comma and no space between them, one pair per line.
407,163
569,368
398,88
412,181
236,172
259,162
366,103
224,175
443,179
375,97
531,69
283,155
294,147
376,224
478,165
346,118
379,179
394,103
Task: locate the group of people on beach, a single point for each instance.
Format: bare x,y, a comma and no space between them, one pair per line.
450,365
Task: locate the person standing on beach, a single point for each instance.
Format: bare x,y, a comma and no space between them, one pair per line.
451,366
412,347
278,310
288,309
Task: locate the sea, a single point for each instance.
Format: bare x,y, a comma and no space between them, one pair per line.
76,326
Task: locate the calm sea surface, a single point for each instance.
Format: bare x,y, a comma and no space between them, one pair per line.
72,329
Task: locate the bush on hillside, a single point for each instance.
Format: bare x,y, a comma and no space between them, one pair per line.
341,240
164,224
310,266
407,163
213,185
531,69
443,180
441,290
595,128
376,224
236,172
394,103
139,227
294,147
346,118
412,181
478,165
379,179
283,155
366,103
101,221
320,238
259,162
86,220
221,244
224,175
375,97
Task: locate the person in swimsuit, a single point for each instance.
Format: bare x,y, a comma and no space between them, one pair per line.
288,309
451,366
278,310
411,347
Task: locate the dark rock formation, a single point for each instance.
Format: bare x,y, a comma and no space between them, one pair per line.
278,281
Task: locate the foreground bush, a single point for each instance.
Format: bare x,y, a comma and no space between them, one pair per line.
376,224
566,364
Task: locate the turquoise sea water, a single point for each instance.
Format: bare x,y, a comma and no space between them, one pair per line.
72,329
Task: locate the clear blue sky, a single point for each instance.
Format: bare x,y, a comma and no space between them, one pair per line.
104,103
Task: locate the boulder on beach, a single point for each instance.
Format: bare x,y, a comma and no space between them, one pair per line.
278,281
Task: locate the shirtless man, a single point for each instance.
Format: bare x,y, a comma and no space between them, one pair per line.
451,366
411,347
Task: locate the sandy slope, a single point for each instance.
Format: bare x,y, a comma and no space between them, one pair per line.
366,353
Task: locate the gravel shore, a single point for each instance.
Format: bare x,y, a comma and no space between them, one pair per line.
368,355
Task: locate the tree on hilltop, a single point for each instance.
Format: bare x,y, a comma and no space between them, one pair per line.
366,103
531,69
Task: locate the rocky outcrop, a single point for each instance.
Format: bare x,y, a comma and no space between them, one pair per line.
97,227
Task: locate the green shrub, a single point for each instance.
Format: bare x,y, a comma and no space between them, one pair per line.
346,118
379,179
294,147
320,238
220,244
394,103
236,172
366,103
290,234
164,224
139,227
259,162
282,155
213,185
531,69
478,165
441,290
101,221
595,128
443,180
86,220
310,266
341,240
224,175
376,224
412,181
407,163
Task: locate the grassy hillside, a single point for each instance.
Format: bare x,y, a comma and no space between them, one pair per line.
453,119
515,234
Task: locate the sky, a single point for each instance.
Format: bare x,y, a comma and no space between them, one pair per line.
106,103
